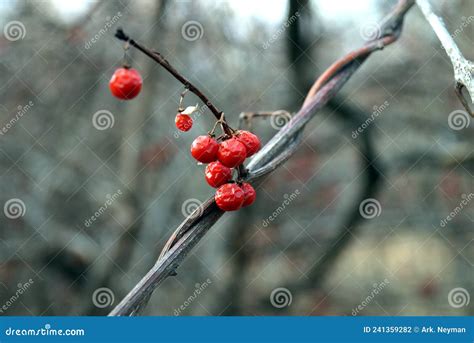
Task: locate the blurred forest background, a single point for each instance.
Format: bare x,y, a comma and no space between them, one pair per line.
59,169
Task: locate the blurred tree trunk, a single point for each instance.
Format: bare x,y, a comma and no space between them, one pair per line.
299,48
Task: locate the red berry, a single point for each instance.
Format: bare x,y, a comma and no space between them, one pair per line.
183,122
229,197
251,141
204,149
231,153
217,174
249,194
126,83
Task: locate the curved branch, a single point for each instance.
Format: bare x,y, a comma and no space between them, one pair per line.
167,265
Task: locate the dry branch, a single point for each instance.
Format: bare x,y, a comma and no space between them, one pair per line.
272,155
463,69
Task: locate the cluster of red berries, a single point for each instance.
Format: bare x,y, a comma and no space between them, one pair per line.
221,158
221,154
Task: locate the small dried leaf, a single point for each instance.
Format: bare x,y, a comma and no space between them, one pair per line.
190,109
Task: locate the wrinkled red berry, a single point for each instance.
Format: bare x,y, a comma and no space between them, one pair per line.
125,83
217,174
231,153
229,197
204,149
249,194
183,122
251,141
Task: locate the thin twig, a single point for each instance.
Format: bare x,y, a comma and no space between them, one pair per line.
463,68
156,56
248,116
194,228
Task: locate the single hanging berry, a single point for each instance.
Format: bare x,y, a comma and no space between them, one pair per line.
229,197
204,149
183,122
217,174
249,194
251,141
231,153
125,83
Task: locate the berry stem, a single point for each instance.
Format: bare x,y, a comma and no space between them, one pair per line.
211,133
181,98
157,57
226,129
242,173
